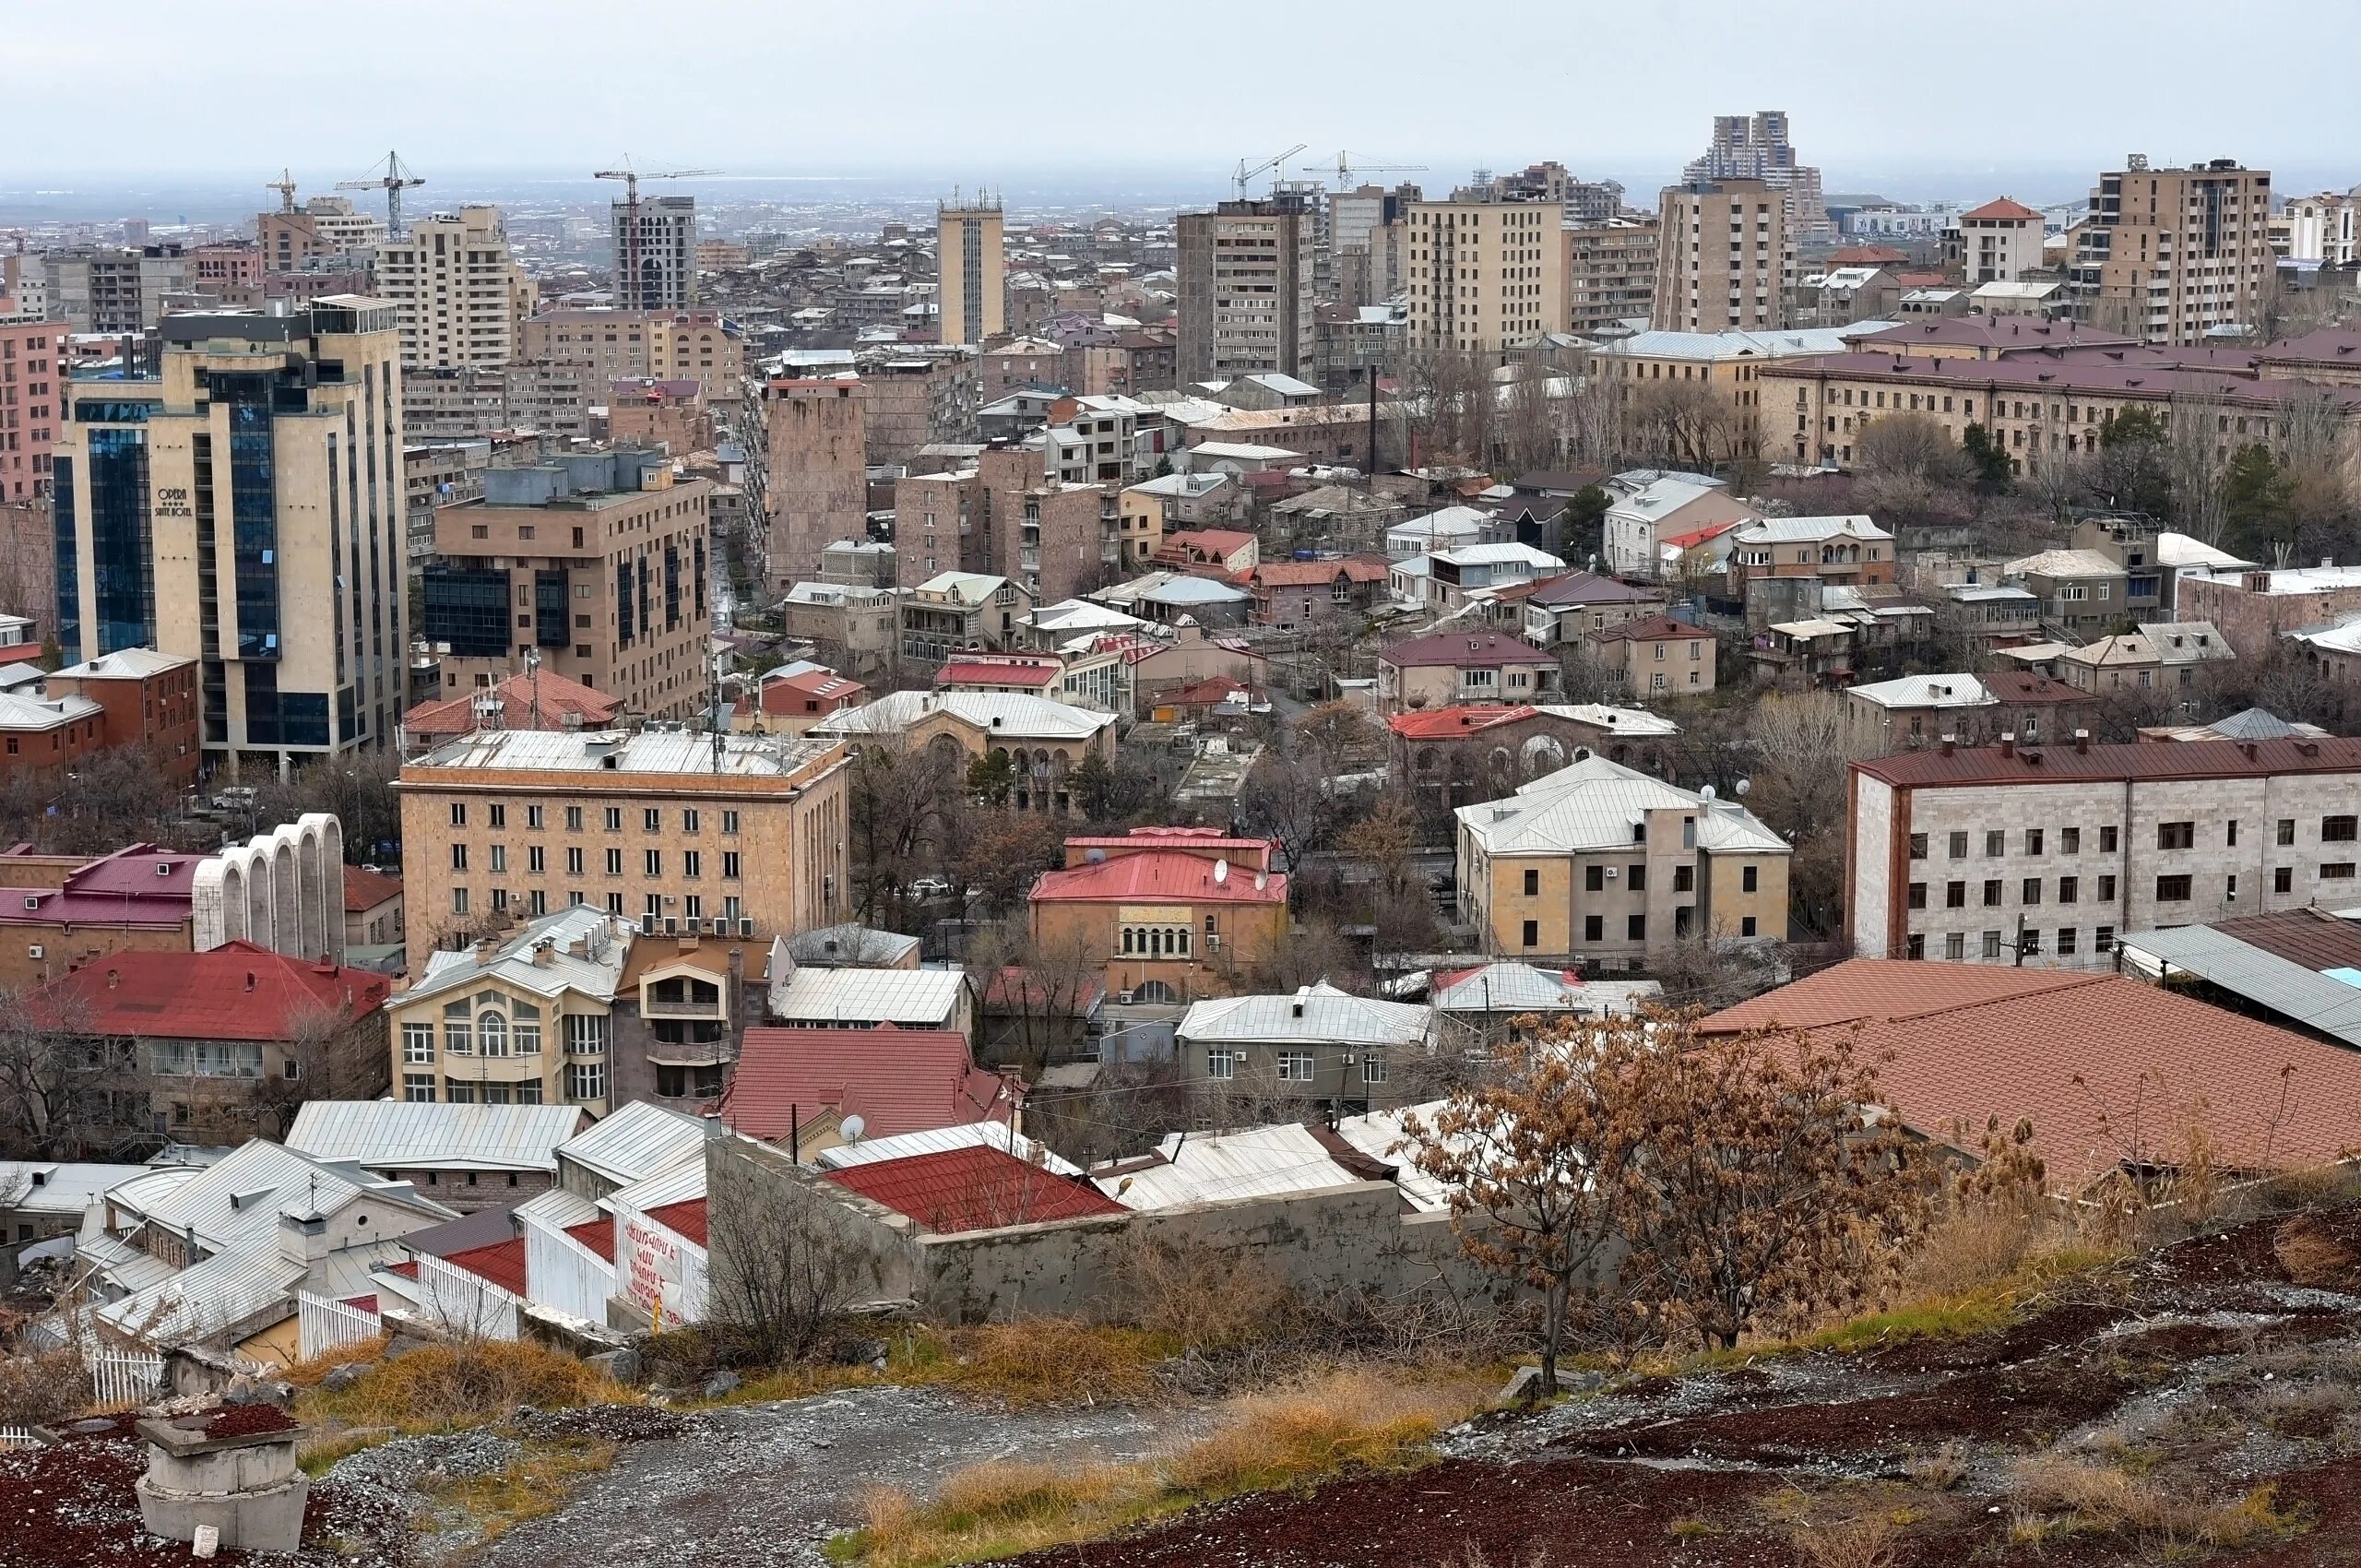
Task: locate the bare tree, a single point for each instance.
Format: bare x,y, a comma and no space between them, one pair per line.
61,1087
781,1270
332,1054
1036,996
906,804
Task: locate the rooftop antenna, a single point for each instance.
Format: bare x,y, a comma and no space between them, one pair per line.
396,179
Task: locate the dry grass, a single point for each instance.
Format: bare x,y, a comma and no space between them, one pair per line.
533,1488
1283,1438
467,1385
40,1387
2312,1256
1048,1361
2054,1495
307,1374
1868,1542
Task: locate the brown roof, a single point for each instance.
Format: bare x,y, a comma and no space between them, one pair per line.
553,696
2006,333
1466,651
2114,765
364,890
2313,938
2002,207
2105,376
1310,574
2025,685
1652,628
2108,1069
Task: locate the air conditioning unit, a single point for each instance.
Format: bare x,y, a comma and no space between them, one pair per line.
648,925
672,925
1212,942
36,951
1351,1059
745,928
1123,998
1612,873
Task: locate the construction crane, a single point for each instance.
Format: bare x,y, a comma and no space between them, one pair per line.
1244,173
285,187
627,264
1345,169
396,179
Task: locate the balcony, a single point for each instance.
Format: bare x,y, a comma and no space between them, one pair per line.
678,998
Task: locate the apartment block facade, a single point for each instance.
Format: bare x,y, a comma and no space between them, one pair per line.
973,273
819,484
1485,276
1246,290
623,345
32,403
324,226
1725,257
1611,273
246,509
2168,255
594,564
2043,855
743,836
656,251
464,298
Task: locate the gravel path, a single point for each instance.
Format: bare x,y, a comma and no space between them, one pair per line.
762,1486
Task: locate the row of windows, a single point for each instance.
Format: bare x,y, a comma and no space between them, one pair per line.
2337,829
2065,942
2170,889
651,818
651,862
1294,1066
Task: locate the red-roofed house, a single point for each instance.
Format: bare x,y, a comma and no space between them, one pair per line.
1036,674
792,704
1997,242
802,1084
2110,1071
976,1188
1220,552
138,899
1172,913
372,908
1289,594
542,701
220,1045
1476,752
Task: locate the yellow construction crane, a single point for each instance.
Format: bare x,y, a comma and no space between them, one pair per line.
285,187
396,179
627,263
1245,174
1345,169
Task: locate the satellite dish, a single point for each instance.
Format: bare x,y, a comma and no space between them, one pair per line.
1706,793
1221,871
1093,856
852,1127
1744,785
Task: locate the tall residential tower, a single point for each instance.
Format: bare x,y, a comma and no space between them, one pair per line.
972,273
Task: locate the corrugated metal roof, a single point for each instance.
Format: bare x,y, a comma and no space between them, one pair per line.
59,1187
936,1140
240,1199
1926,691
918,999
1212,1166
1805,530
1014,715
2306,996
559,1208
1320,1014
677,1183
640,1138
1511,986
397,1134
1595,804
594,972
641,751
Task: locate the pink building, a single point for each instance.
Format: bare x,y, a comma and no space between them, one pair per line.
32,393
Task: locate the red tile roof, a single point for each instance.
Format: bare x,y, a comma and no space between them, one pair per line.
1451,724
1172,875
502,1263
1312,574
2131,761
364,890
235,992
2107,1067
1217,541
978,1188
598,1235
2002,207
1042,672
1696,537
895,1080
1464,651
1202,693
557,697
790,694
684,1218
1652,628
1866,255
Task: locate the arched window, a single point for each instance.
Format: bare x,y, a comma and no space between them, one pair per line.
492,1029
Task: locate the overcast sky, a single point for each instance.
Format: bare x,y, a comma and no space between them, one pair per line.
2035,93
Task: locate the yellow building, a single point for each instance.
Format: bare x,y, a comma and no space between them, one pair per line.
464,299
1600,865
1485,276
973,272
1726,259
1172,913
1046,740
743,837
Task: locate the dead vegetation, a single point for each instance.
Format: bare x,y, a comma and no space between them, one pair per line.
476,1383
2056,1495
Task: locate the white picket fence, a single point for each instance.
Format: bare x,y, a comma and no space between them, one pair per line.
18,1437
323,1324
124,1377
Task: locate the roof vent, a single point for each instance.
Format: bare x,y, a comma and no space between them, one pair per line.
164,867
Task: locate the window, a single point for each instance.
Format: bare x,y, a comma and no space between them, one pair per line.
492,1032
1220,1064
2031,891
728,822
533,817
1917,846
1295,1066
692,864
2340,829
2337,870
499,856
2231,829
1372,1068
651,862
2172,889
1684,879
458,1039
499,815
614,819
2175,836
2103,939
1594,928
2032,841
1991,944
1636,878
689,820
1992,894
1746,925
2068,889
1635,928
2069,840
585,1081
1749,879
2283,880
652,820
1959,846
615,862
1593,879
1917,896
1533,885
525,1027
458,901
536,858
729,864
1915,946
574,860
2067,938
418,1042
458,857
1955,945
1996,844
2286,830
1955,895
458,813
2107,840
574,819
1533,933
2106,890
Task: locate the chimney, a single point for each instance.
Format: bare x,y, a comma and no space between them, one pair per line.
250,980
2008,743
2083,742
1949,742
114,979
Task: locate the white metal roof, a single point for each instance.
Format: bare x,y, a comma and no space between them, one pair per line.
559,1208
1495,555
238,1201
594,972
2184,549
2065,563
615,751
639,1139
1313,1014
58,1187
396,1134
1805,530
1508,986
1254,1162
942,1140
677,1183
1926,691
1606,715
1596,804
1016,715
927,999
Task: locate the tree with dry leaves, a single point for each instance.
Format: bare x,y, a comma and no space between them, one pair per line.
1535,1159
1758,1186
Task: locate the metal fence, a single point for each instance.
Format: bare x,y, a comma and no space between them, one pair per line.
323,1324
124,1377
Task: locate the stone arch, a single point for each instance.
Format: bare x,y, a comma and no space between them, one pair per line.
286,893
260,922
306,930
1544,753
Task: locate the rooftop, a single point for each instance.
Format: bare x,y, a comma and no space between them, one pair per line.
365,889
1464,650
841,997
1926,691
397,1135
582,949
1598,804
974,1188
1651,628
1016,715
1320,1014
895,1080
237,992
1176,875
674,752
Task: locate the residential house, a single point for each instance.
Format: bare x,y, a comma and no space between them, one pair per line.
1493,1001
1472,572
811,1088
1044,740
58,913
1995,614
851,946
465,1156
1458,667
146,699
1449,529
1847,552
2160,654
792,704
1561,611
542,700
1168,913
1170,597
1161,666
858,630
1453,756
1601,864
1292,594
1319,1050
959,612
1647,508
1222,553
836,997
373,909
1652,657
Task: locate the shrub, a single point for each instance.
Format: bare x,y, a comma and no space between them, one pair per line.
1866,1542
2058,1493
1053,1362
1346,1417
467,1384
38,1387
2312,1255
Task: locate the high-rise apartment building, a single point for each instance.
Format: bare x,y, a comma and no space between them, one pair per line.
463,297
1246,296
655,252
596,562
972,304
244,508
32,403
1611,272
1486,274
2168,255
1725,260
1041,532
115,289
1756,147
324,226
819,483
1365,229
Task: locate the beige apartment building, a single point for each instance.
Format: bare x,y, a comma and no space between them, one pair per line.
594,564
819,481
935,521
463,297
1485,276
1246,273
972,270
744,835
1611,273
1726,259
324,226
2168,255
623,345
244,509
